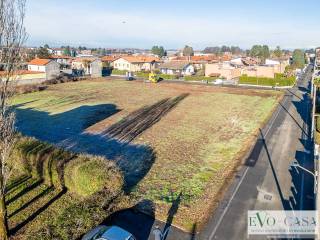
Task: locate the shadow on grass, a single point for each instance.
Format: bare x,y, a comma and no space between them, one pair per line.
25,190
17,182
34,199
38,211
171,213
67,130
115,143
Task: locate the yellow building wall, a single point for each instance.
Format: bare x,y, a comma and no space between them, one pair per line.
31,76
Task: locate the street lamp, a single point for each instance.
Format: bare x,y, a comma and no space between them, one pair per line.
295,164
160,235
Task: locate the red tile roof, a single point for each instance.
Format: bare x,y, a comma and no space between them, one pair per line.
40,62
141,59
82,59
195,59
59,57
110,58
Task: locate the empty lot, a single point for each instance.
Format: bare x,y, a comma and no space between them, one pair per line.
178,145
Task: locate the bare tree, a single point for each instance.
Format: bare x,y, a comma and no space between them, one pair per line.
12,36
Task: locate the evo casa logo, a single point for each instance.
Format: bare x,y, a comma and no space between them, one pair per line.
282,222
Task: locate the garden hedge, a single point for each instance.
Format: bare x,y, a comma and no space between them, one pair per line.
279,80
81,174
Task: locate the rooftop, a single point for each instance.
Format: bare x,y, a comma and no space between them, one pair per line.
141,59
39,61
176,65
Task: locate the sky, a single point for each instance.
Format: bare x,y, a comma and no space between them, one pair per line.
173,23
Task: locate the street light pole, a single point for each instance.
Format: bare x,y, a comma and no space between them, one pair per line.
308,171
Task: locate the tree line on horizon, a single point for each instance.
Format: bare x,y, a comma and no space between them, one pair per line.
261,52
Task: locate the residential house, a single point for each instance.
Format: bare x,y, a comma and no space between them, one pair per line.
56,51
244,61
222,69
64,61
49,67
197,61
86,52
318,58
108,60
246,65
259,71
269,69
279,65
88,66
177,68
136,63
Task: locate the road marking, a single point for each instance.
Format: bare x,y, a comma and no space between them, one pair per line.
244,175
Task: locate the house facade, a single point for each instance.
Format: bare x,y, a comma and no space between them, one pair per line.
88,66
136,63
49,67
246,66
222,69
177,68
56,51
62,60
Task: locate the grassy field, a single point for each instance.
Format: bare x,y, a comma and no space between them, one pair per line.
175,144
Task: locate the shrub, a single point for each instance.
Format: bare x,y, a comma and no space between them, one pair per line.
317,81
118,72
317,130
200,72
41,160
278,81
168,76
199,78
145,75
142,74
87,175
215,75
278,75
30,88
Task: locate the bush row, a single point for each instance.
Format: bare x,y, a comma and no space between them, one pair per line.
145,75
40,87
199,78
317,132
81,174
118,72
172,77
277,81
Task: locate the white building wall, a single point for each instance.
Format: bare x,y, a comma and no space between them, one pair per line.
189,70
122,64
37,68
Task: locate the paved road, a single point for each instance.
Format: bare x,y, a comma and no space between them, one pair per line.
268,182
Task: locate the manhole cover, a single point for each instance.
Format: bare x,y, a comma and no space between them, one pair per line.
267,197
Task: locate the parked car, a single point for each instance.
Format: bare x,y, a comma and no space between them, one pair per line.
218,81
108,233
129,76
